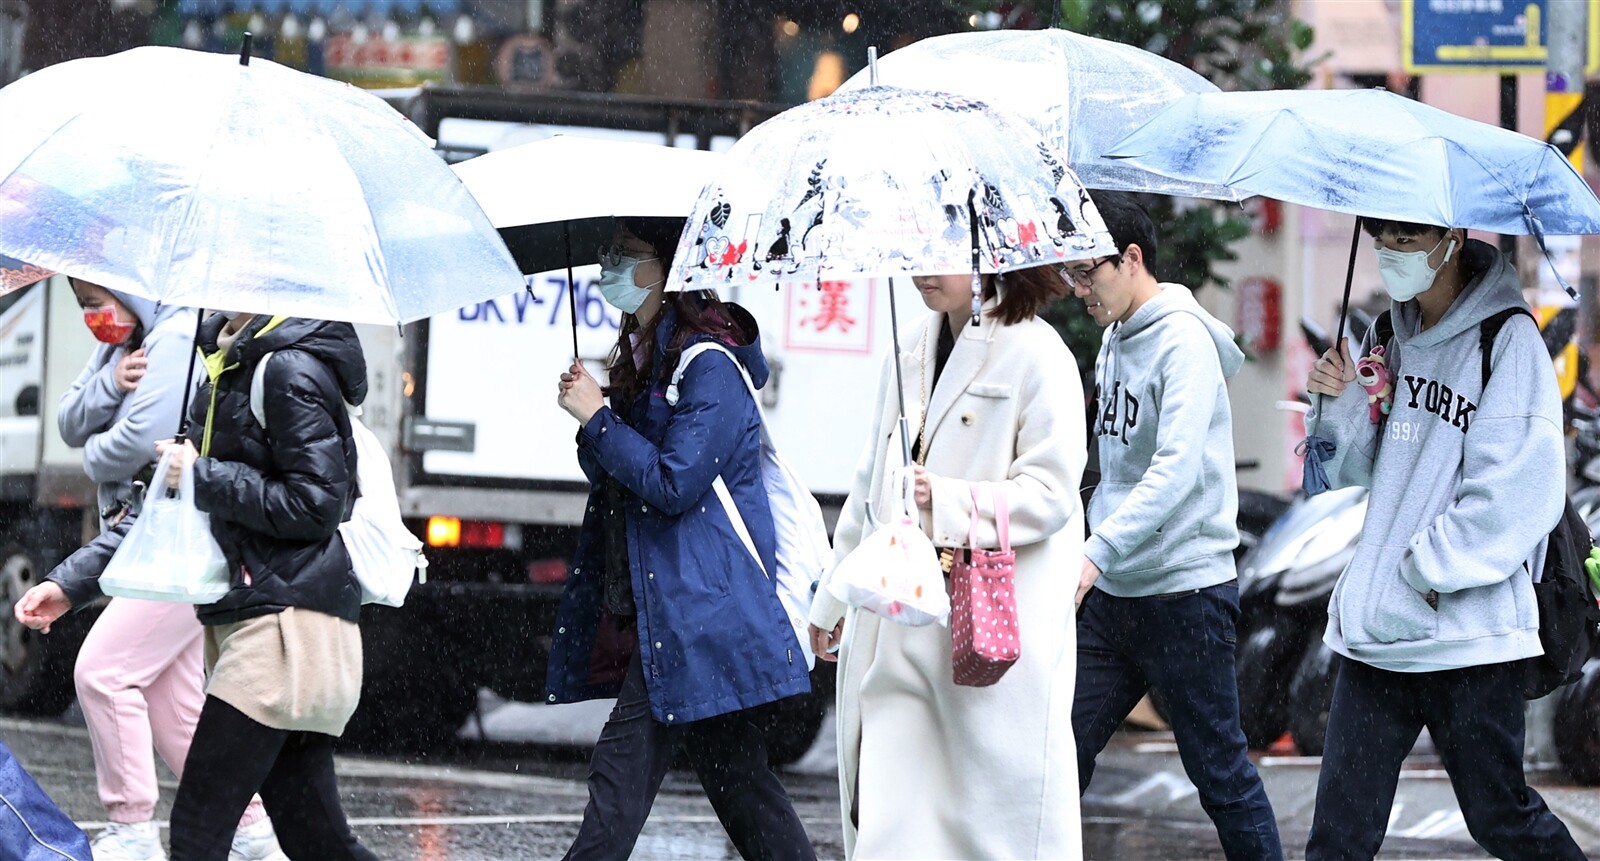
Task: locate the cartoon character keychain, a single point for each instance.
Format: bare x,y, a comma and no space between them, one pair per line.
1373,373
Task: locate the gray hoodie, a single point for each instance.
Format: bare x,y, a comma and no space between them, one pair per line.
118,430
1163,515
1466,483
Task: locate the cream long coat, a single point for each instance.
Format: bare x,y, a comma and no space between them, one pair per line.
953,772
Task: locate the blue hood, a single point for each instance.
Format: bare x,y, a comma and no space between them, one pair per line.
748,353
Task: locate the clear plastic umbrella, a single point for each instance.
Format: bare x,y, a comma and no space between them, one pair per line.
196,180
1083,93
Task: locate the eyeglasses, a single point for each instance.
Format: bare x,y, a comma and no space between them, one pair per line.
612,256
1084,277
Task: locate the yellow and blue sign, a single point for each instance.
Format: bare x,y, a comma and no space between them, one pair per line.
1502,37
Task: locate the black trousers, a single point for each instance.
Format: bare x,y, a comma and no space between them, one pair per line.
729,754
1475,716
232,758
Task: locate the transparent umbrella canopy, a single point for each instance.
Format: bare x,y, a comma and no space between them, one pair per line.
1083,93
196,180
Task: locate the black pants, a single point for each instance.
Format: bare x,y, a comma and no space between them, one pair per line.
232,758
728,752
1183,646
1475,716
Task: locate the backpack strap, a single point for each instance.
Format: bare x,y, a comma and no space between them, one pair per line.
695,350
258,392
1488,330
1384,327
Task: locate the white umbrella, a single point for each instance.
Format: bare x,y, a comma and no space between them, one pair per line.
194,179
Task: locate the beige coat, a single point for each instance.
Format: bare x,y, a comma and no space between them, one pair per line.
960,772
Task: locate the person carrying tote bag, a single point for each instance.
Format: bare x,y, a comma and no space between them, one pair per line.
929,768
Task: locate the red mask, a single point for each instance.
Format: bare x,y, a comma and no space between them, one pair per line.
105,326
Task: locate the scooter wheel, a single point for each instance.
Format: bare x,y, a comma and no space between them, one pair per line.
1311,696
1577,726
1263,664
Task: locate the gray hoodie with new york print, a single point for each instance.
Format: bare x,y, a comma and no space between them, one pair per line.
1162,517
1466,482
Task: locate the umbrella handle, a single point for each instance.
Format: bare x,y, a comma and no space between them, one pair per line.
244,49
188,388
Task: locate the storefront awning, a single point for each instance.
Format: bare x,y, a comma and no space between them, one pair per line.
359,8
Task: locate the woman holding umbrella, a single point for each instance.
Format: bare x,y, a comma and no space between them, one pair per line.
929,769
666,610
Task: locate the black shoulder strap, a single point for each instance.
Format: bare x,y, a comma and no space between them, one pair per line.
1384,326
1488,330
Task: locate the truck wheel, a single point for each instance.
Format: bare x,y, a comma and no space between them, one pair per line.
1264,665
1311,696
35,668
413,694
1577,726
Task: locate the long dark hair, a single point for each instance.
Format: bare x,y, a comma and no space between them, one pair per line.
697,313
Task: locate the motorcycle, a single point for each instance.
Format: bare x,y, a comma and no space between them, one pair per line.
1284,671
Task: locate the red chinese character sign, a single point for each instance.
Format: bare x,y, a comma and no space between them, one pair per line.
831,317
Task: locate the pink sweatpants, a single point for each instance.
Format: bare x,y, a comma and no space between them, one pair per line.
140,684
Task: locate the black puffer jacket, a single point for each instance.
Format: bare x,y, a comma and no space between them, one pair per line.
276,495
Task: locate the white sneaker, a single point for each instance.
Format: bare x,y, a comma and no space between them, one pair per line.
257,842
120,841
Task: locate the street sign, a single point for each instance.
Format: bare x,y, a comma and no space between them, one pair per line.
1502,37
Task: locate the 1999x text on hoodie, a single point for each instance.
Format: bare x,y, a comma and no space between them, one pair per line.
1466,482
1163,515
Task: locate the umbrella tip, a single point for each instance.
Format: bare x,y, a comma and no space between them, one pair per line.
244,49
872,65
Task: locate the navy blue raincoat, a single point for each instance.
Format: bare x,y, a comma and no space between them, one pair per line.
712,635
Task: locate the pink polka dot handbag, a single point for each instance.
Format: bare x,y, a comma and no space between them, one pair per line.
984,639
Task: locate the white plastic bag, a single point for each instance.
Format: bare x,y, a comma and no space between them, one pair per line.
895,571
169,553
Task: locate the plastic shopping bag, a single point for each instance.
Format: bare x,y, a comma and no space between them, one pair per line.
895,571
169,554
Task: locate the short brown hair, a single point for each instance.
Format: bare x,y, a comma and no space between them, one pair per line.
1027,292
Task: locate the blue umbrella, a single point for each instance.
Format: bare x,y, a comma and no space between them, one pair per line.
1367,153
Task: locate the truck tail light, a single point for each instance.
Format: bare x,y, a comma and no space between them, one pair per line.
474,534
444,532
547,571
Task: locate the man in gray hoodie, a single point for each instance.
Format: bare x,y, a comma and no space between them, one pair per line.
1435,612
1158,597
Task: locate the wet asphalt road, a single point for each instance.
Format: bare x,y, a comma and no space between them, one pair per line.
486,801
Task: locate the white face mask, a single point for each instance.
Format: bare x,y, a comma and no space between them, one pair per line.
1407,273
617,282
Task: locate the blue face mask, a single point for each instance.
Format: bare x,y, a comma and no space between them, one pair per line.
617,282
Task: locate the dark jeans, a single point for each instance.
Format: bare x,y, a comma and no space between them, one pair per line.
1182,646
232,758
1475,717
728,752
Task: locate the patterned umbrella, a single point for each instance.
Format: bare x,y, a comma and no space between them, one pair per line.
883,182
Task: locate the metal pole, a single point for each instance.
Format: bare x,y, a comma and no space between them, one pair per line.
1508,120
